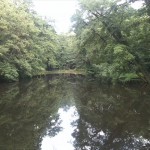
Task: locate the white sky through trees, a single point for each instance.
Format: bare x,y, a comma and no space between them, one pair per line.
58,10
61,11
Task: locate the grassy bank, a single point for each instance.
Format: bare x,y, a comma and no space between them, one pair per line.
71,71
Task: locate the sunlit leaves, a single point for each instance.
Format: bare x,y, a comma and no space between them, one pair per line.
27,41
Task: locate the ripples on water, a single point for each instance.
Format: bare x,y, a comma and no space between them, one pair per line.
72,113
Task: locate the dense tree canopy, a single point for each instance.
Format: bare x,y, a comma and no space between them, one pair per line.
28,44
67,51
114,39
111,41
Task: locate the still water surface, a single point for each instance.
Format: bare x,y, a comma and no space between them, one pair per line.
72,113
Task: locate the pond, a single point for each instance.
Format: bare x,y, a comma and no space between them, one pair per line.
68,112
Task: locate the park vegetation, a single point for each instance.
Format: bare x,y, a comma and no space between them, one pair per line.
111,41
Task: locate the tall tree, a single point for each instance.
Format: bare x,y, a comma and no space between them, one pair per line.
27,42
113,36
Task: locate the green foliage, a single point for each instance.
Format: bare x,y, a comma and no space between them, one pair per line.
8,72
115,38
67,54
28,44
128,77
111,41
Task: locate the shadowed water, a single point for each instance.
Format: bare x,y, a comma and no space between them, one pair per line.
67,112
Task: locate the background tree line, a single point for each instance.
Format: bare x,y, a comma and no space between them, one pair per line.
111,41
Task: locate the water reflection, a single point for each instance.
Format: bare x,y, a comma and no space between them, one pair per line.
64,138
112,117
71,113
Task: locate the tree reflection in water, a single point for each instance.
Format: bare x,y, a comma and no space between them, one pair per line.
28,112
41,113
64,138
112,118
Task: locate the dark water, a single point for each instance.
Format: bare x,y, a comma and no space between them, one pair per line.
71,113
